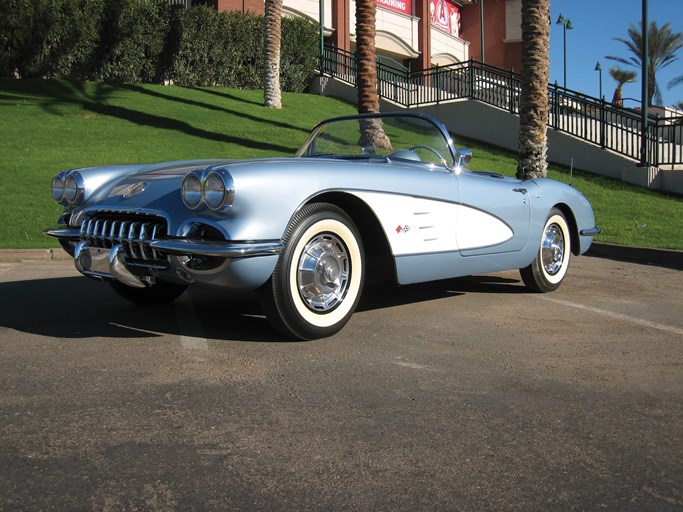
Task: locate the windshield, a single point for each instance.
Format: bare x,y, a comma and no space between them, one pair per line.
406,137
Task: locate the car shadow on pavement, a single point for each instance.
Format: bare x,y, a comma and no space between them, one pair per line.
378,295
77,308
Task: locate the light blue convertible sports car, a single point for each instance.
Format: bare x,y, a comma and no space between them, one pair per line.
387,194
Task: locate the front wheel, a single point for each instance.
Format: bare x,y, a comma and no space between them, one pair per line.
317,282
546,272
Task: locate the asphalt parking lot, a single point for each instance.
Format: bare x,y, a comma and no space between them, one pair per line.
467,394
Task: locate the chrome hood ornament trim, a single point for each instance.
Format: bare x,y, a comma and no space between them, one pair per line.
134,190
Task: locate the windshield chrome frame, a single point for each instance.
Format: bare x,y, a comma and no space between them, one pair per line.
384,115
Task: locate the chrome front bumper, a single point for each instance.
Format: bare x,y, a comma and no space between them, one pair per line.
111,262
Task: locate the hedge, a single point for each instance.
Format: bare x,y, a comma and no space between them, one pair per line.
132,41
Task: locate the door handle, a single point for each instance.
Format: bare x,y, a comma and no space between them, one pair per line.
520,190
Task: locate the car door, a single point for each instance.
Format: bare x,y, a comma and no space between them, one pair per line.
495,214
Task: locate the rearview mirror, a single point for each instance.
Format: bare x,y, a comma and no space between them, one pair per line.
463,156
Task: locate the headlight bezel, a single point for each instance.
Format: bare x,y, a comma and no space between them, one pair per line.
68,188
215,187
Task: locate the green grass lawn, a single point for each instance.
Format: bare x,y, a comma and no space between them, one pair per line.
49,126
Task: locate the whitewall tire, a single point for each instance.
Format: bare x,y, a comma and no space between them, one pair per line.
318,279
546,272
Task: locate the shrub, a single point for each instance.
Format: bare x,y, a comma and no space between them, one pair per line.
199,59
298,55
245,40
49,38
148,41
132,41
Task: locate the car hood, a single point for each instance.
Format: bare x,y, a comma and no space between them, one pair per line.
135,186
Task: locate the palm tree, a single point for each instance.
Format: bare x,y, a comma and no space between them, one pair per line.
676,81
662,47
621,76
533,108
372,131
272,96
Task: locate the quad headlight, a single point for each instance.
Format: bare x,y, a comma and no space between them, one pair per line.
213,189
191,191
57,188
68,188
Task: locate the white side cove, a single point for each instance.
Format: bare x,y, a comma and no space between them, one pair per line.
417,226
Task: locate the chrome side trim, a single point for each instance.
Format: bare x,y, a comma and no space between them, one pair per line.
590,232
218,249
64,233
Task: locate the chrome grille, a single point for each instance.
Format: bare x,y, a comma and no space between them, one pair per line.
133,232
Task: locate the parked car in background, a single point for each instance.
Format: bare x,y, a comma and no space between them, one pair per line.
303,231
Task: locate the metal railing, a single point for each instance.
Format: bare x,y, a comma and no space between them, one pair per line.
594,120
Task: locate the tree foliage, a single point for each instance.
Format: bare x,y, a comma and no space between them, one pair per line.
147,41
621,76
662,47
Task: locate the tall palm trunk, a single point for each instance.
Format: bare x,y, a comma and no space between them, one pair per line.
372,131
534,96
272,96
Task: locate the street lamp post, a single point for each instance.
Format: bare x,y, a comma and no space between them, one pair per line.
598,68
566,25
321,10
481,30
644,87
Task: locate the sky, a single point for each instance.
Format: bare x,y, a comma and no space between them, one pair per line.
596,24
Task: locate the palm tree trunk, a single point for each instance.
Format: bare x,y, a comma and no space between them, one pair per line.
366,55
617,99
272,96
372,131
534,96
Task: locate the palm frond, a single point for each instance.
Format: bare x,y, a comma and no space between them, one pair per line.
674,82
662,47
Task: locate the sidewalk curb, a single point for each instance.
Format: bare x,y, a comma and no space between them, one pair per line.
659,257
14,255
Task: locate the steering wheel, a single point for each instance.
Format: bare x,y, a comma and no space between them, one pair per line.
430,149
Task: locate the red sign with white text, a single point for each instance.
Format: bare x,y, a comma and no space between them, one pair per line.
446,16
402,6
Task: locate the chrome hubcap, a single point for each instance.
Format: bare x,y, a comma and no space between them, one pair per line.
323,273
552,249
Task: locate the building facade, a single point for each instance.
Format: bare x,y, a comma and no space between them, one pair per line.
416,34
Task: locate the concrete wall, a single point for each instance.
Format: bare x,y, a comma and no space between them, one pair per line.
672,181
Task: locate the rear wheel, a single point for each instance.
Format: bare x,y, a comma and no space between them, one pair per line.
159,293
546,272
317,282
